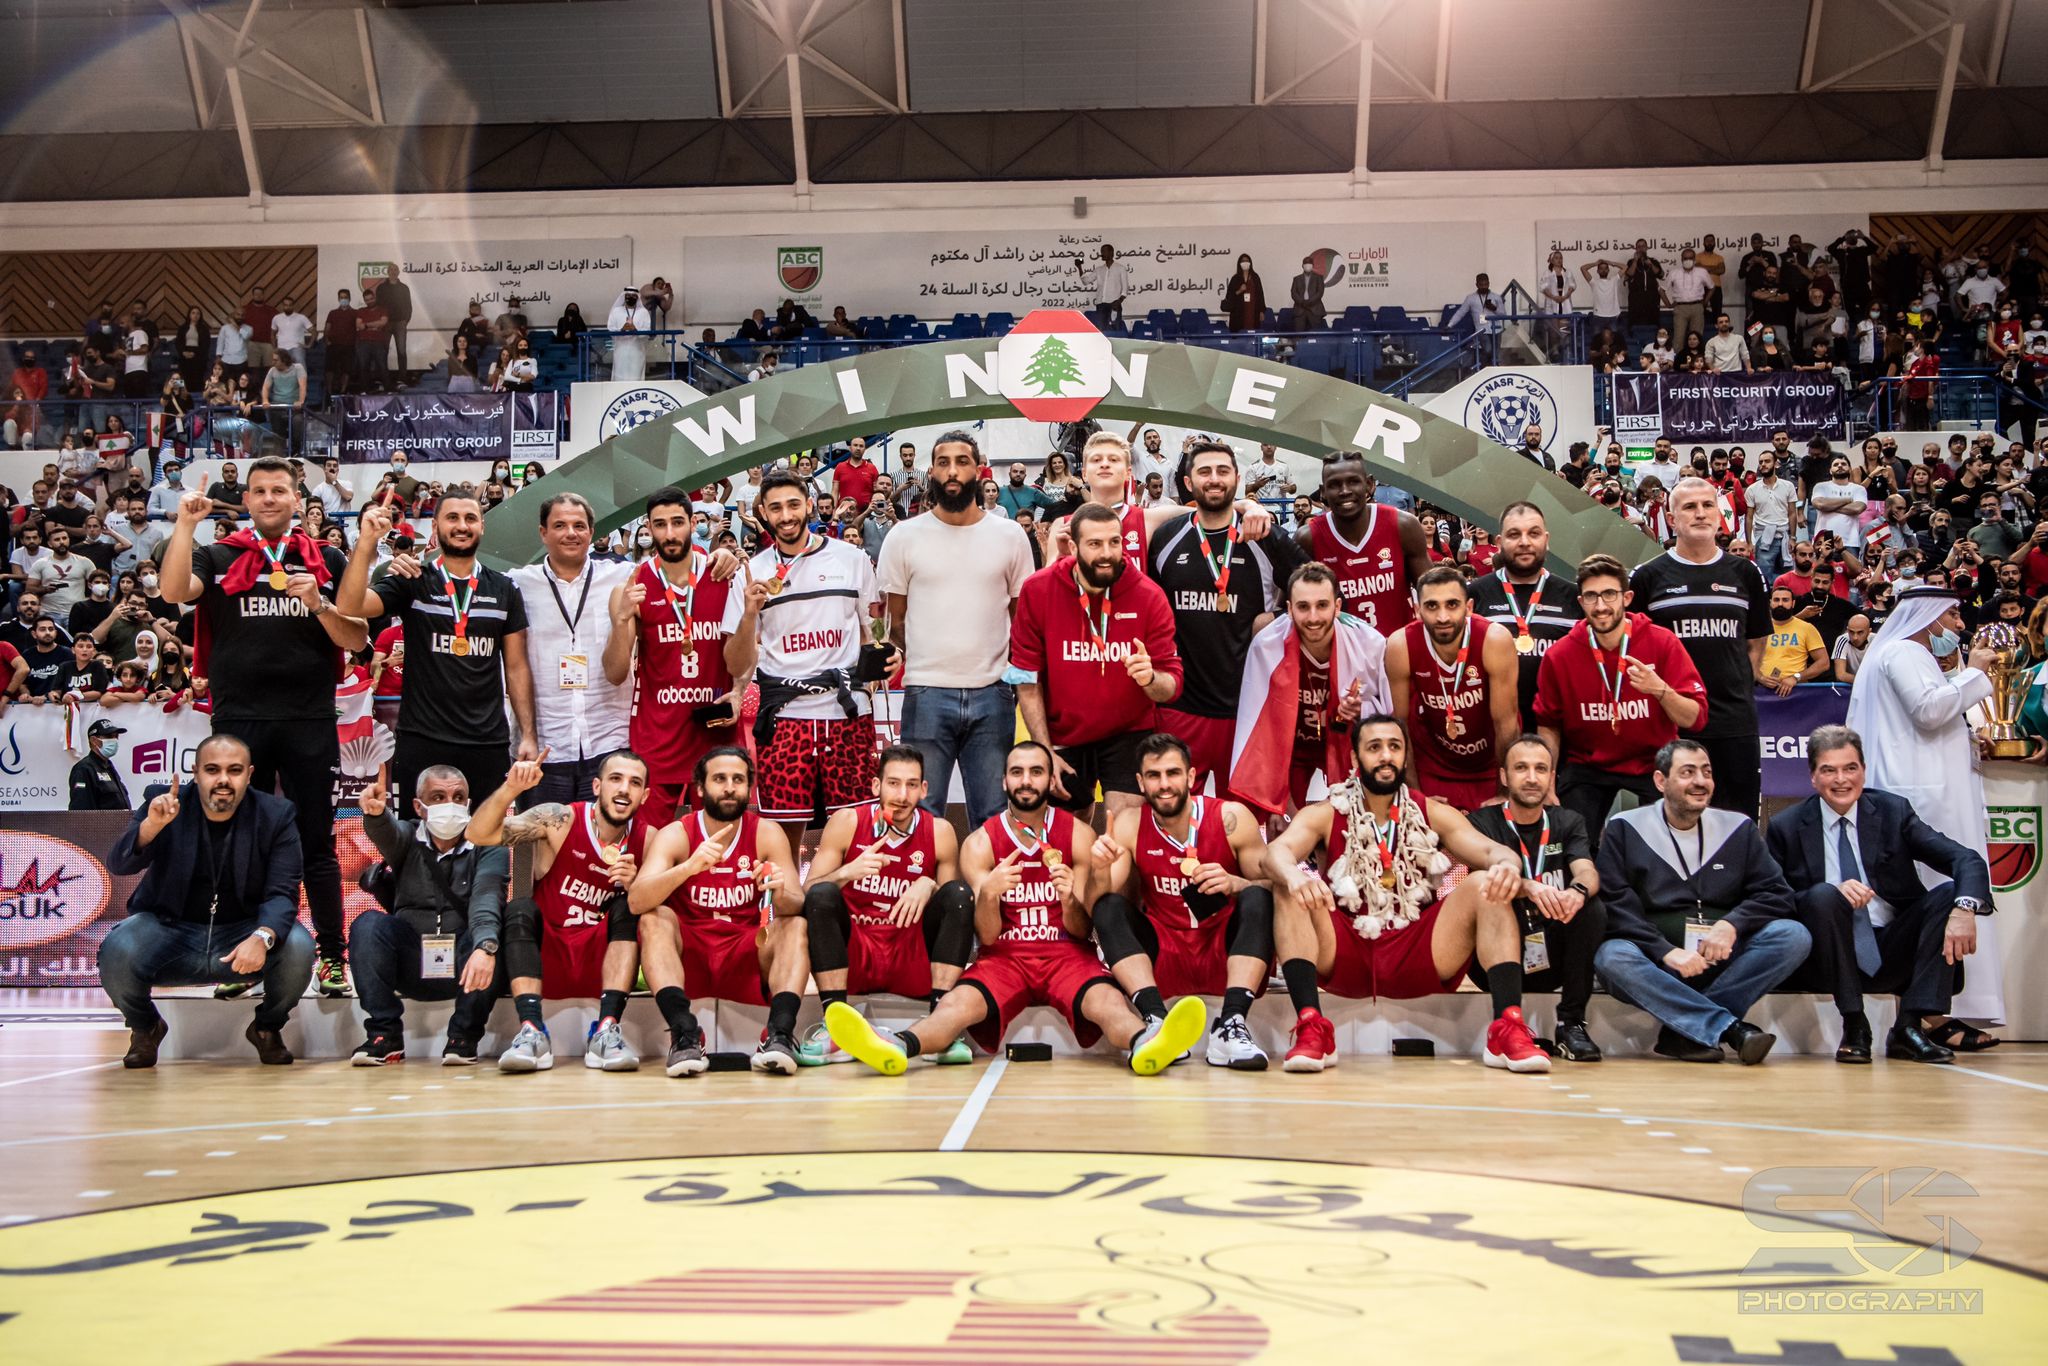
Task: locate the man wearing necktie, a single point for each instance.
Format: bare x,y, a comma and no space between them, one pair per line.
1850,854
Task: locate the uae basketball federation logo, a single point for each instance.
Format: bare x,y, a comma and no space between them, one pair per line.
1054,366
634,408
1503,406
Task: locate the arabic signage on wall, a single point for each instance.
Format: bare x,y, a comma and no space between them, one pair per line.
1586,240
1723,408
448,426
936,274
444,276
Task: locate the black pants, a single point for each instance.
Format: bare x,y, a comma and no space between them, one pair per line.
384,954
1908,950
300,760
1591,792
1570,945
1738,772
398,326
485,766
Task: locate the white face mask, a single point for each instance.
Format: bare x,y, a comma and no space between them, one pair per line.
98,590
446,820
149,582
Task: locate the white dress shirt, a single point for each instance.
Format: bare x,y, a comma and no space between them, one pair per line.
574,722
1830,844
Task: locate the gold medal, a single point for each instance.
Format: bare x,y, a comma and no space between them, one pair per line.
774,586
1188,866
461,645
277,579
1387,880
1053,859
1525,643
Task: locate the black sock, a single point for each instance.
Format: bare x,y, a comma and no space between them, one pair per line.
1504,980
1236,1001
1149,1002
528,1008
1732,1035
611,1004
932,1001
909,1042
1300,974
782,1009
1855,1017
826,998
674,1006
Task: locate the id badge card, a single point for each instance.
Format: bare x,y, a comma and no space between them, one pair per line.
572,671
1535,953
1696,932
437,957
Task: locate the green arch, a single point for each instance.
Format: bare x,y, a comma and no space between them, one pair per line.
952,382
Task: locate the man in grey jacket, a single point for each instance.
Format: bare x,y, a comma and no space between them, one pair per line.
438,939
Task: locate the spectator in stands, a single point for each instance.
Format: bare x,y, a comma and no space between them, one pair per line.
629,319
57,576
1111,281
462,367
1555,296
284,394
792,320
1603,277
257,317
766,369
291,331
47,655
394,296
220,866
518,372
1850,648
1977,297
1769,353
1478,308
1306,295
373,342
571,325
1244,298
1018,496
1726,353
754,328
854,476
841,327
474,328
340,333
1993,535
1818,322
660,298
1644,277
1794,652
1687,289
1063,489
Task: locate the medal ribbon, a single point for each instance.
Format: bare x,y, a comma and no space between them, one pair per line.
1521,617
883,830
460,609
1219,567
1187,846
1533,868
688,597
784,564
274,554
1456,678
1620,676
1036,842
1097,633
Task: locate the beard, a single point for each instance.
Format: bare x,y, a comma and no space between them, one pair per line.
1215,499
672,552
954,497
1381,786
1027,799
727,808
1103,576
1169,805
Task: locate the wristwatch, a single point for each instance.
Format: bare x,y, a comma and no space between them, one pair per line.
1970,904
1582,890
268,936
489,946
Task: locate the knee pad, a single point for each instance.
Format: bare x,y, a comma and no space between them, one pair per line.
1251,927
1116,929
621,926
521,943
828,926
949,924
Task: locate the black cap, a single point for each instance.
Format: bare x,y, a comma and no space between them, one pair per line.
104,730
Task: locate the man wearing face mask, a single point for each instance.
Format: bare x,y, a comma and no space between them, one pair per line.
163,499
1688,288
1307,295
95,783
340,333
436,939
1978,296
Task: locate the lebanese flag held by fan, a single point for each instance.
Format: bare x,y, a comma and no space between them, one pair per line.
1263,750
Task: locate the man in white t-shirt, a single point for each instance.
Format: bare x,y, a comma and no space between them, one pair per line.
1266,477
799,626
292,329
231,347
1603,280
58,574
1663,466
1112,282
1152,459
1727,353
1841,504
1980,293
1687,288
950,578
1773,504
134,360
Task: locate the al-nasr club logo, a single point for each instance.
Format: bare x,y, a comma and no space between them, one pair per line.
800,269
1054,366
2015,845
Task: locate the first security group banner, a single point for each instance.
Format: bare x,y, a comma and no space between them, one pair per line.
1705,409
448,426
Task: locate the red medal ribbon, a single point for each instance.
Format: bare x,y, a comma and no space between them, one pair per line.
1620,676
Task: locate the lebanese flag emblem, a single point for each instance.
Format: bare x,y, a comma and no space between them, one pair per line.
1054,365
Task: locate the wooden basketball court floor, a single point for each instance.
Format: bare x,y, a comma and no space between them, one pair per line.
1631,1211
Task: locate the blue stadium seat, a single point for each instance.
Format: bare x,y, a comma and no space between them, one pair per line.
966,325
997,324
1392,319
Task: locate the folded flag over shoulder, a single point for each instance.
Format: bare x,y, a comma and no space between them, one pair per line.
1263,750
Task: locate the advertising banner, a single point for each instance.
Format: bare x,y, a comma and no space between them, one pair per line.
937,274
601,409
1709,409
448,426
1502,400
1784,724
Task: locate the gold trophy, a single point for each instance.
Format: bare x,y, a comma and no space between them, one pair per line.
2009,682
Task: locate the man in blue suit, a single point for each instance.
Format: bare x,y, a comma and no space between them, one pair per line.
218,901
1849,853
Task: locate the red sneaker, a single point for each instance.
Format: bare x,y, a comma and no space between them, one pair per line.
1509,1044
1315,1043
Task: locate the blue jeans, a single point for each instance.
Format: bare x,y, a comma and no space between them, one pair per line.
1702,1007
384,952
970,727
144,951
1775,558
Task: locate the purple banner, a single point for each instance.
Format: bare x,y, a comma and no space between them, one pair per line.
1705,409
448,426
1785,722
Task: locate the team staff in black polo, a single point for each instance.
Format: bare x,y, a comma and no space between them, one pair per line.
270,640
1537,606
1720,609
465,649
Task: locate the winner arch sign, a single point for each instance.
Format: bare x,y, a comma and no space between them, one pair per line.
1056,366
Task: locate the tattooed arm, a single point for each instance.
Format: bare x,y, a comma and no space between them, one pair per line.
491,824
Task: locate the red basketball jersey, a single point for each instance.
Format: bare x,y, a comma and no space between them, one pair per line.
572,894
1159,862
1372,576
1450,720
1032,913
910,857
681,666
1136,539
726,890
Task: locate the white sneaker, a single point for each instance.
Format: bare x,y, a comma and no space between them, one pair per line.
607,1051
816,1049
529,1051
1231,1045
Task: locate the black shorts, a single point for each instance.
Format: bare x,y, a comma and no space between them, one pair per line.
1111,761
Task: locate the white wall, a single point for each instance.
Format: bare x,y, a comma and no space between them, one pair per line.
661,222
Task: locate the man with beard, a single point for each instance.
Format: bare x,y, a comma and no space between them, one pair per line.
667,634
886,909
1700,921
1377,552
1453,679
1562,920
1794,653
575,936
1202,924
465,649
1097,639
1029,867
1307,677
1223,588
950,580
1536,606
1106,473
218,901
1610,694
1718,607
802,617
720,912
270,635
1379,921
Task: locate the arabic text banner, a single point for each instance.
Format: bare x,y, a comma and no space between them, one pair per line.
936,274
448,426
1585,240
1723,408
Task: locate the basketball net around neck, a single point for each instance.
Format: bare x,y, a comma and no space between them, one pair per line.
1419,865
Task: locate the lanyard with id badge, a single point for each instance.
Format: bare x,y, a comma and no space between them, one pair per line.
1535,949
572,670
1697,927
437,950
